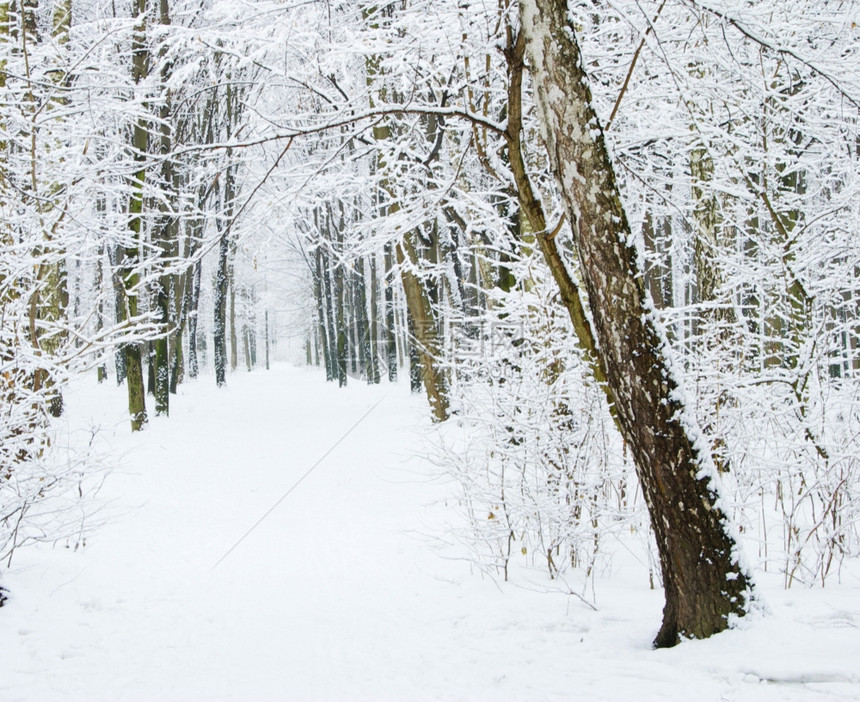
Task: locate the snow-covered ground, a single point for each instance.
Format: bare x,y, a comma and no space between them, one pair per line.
343,592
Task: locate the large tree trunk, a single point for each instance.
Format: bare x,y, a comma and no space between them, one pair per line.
704,583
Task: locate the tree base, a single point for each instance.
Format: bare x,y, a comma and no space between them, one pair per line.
668,636
710,618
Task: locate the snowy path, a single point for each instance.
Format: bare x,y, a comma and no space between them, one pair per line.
339,593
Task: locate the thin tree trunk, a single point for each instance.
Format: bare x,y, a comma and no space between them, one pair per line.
220,322
391,316
266,324
116,255
234,341
49,300
534,213
130,275
150,367
320,292
331,331
658,276
252,325
167,235
101,372
424,332
179,321
373,350
342,340
193,318
709,274
362,323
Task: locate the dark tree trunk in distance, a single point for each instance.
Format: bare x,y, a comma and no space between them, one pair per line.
390,318
193,292
220,326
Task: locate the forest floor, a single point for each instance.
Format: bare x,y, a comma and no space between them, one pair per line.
348,589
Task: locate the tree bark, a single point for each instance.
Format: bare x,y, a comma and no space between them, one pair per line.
373,377
704,582
193,293
424,331
424,343
115,258
390,315
167,232
532,208
319,275
130,271
266,327
220,322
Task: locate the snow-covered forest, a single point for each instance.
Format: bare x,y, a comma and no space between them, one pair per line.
612,248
